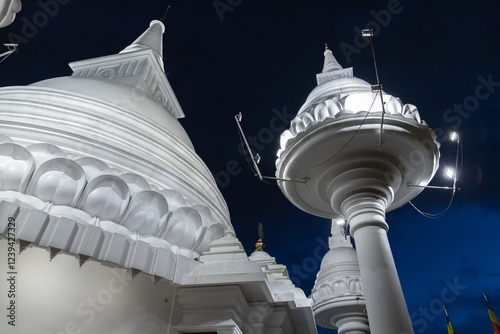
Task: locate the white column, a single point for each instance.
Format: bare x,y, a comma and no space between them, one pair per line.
386,307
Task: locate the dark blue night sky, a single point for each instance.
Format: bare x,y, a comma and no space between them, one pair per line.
261,58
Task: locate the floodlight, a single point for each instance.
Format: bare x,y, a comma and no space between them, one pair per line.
11,46
450,173
367,32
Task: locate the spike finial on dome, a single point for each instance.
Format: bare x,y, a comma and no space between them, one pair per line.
332,69
152,39
331,64
339,237
139,65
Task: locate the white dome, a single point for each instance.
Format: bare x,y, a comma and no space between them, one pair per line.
337,296
339,255
123,96
103,149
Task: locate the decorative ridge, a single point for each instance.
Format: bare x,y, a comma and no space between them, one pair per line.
330,64
331,68
43,177
97,241
340,107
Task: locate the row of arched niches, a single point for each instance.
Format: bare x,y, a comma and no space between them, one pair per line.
85,189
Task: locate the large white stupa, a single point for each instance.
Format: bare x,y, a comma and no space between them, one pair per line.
8,11
119,223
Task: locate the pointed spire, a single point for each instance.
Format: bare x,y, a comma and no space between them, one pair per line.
152,39
331,64
332,69
339,237
139,65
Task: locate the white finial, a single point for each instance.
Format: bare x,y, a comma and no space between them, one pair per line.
331,64
339,238
152,39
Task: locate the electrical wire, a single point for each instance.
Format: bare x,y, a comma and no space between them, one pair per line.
458,171
435,215
379,86
1,61
245,153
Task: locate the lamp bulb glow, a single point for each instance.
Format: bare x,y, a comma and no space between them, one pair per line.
340,222
450,173
453,136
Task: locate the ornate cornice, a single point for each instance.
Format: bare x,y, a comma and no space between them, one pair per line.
342,106
43,177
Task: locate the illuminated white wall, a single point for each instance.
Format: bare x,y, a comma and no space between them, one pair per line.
57,296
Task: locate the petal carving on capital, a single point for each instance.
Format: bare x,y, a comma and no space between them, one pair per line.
307,120
206,216
285,137
296,126
183,228
145,212
43,152
16,167
333,106
355,285
135,183
60,181
5,139
93,167
324,291
175,200
213,232
106,197
411,111
393,105
339,286
320,112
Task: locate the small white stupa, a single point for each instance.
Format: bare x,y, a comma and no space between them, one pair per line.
333,145
337,295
